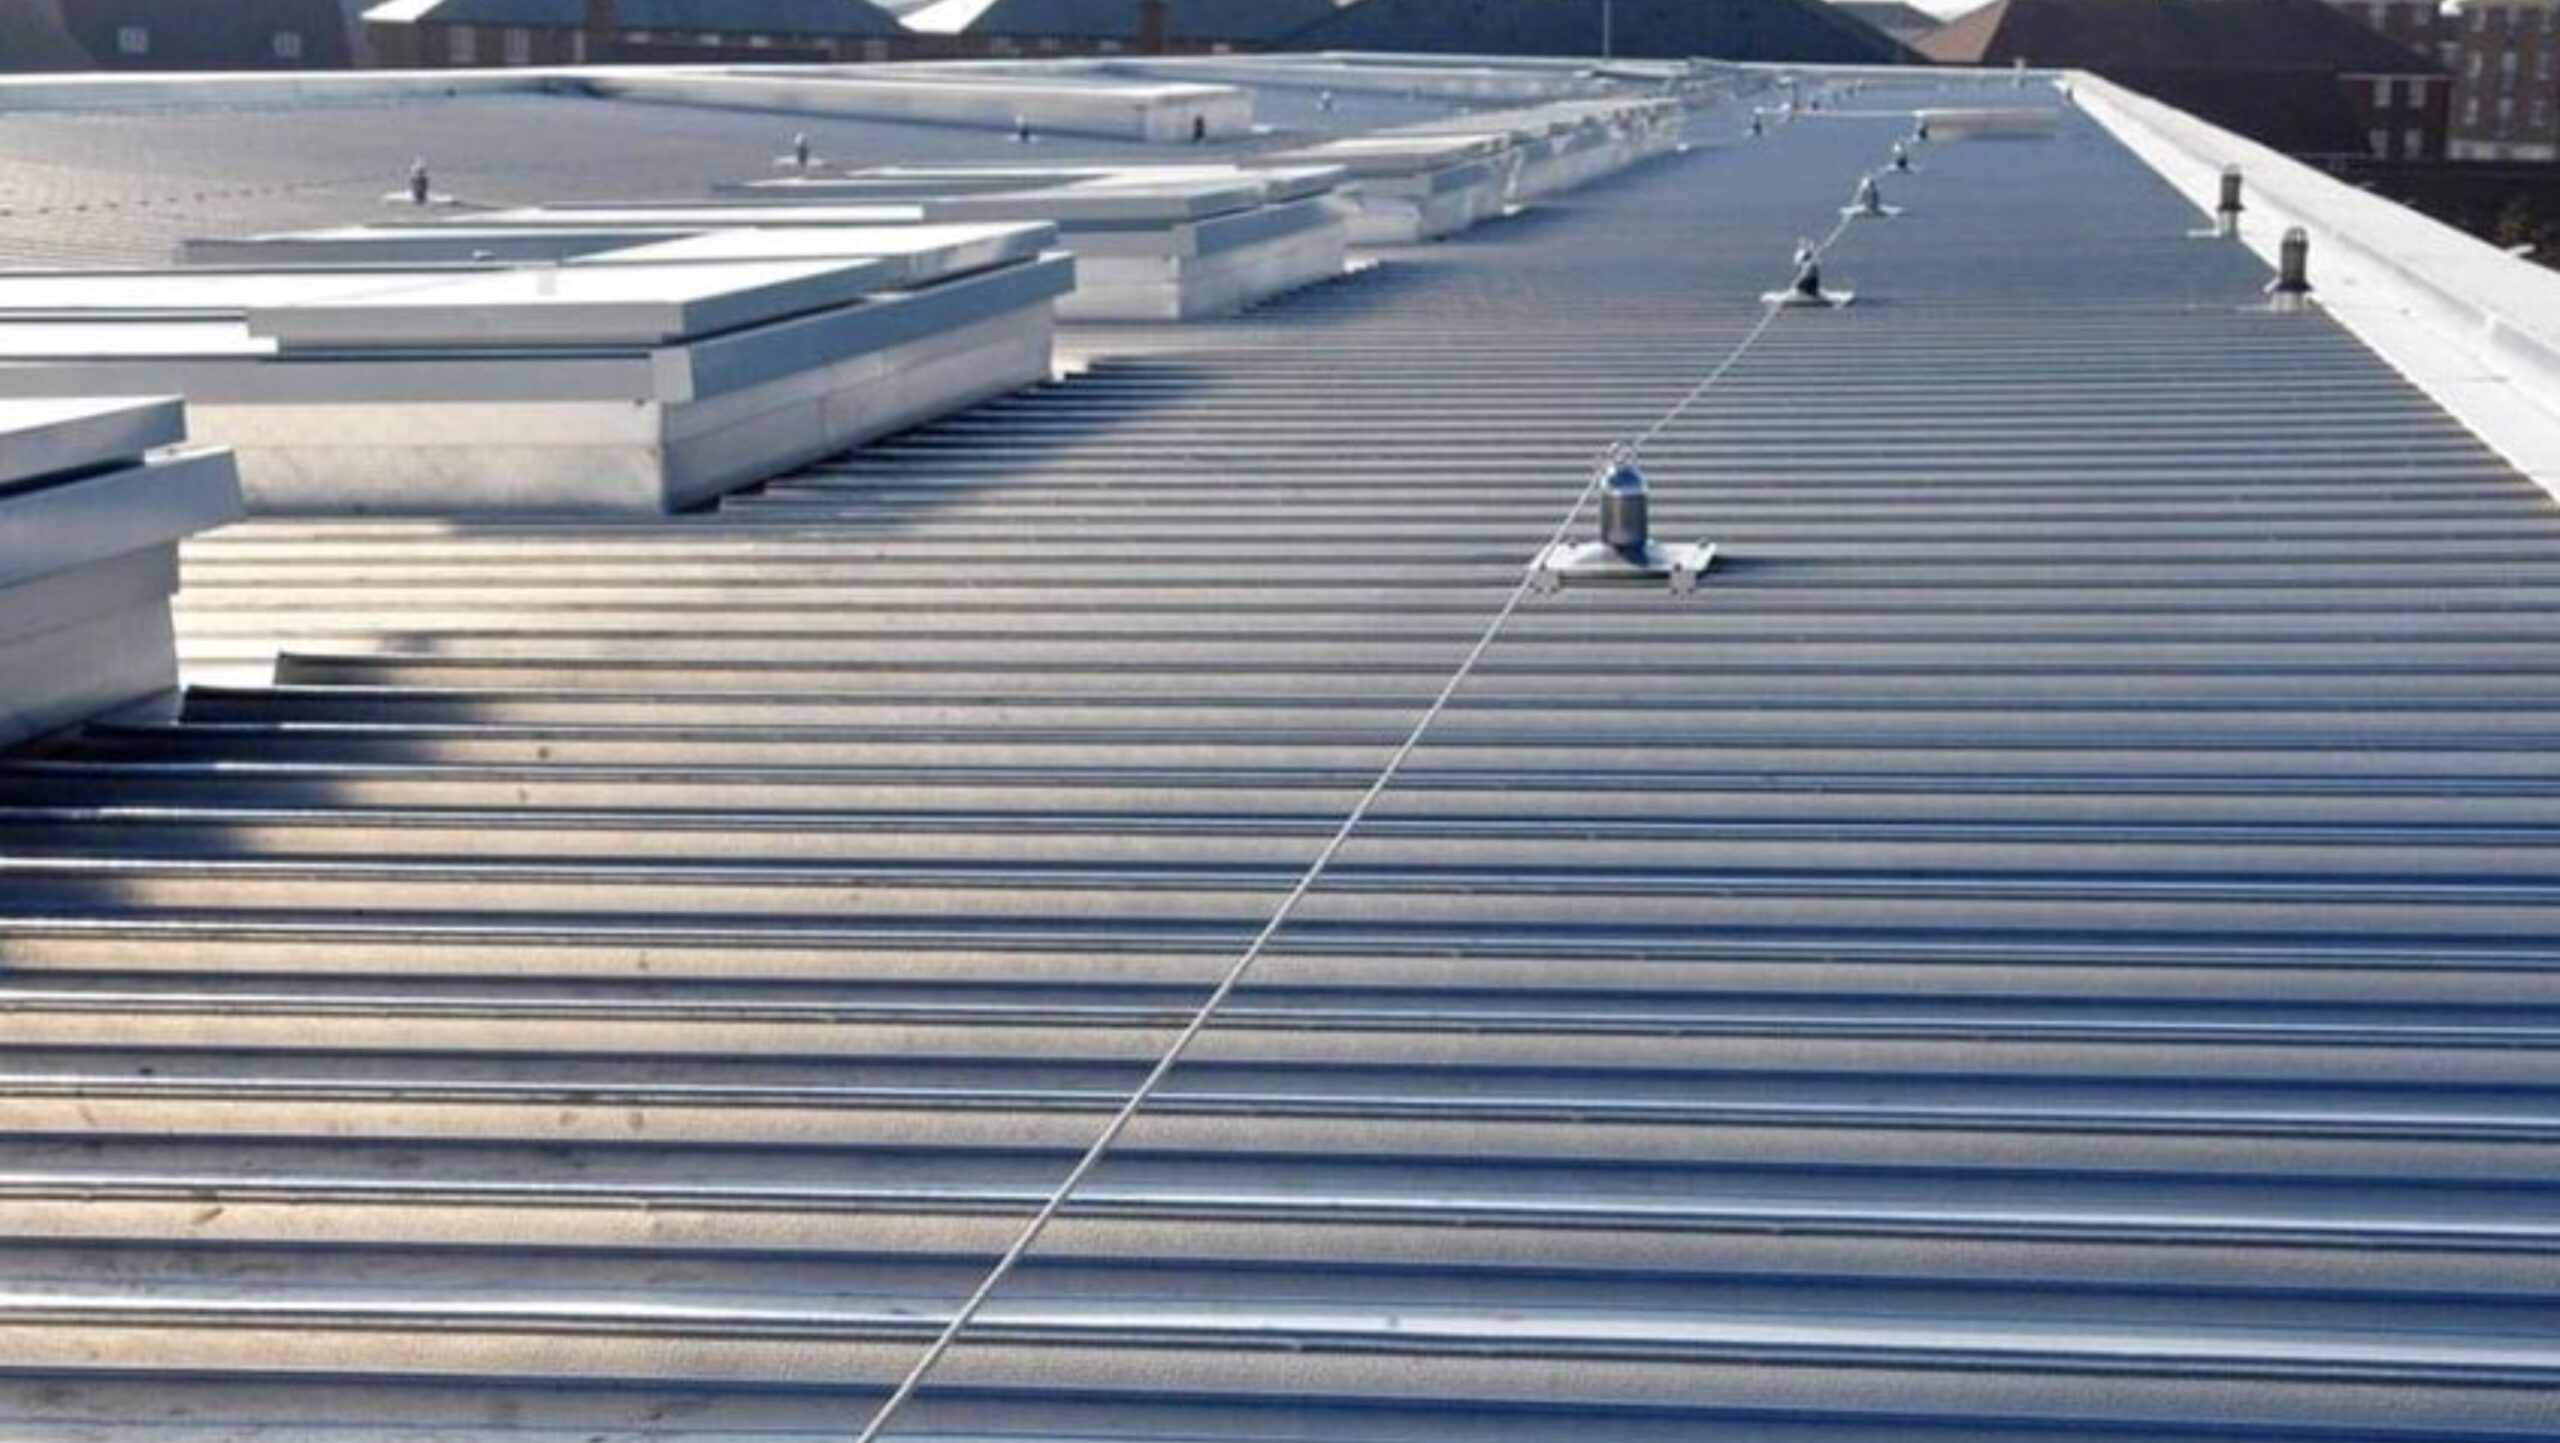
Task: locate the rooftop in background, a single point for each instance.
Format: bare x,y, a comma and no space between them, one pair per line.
1735,30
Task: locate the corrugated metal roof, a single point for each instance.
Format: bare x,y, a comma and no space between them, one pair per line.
2054,942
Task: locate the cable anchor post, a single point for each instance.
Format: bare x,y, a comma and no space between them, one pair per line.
1625,550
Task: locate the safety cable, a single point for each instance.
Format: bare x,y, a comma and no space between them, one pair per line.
1056,1201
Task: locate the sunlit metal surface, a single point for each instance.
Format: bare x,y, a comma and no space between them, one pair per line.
2055,942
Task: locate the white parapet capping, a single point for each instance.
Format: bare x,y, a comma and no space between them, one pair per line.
1160,111
302,89
637,382
1152,242
2475,328
95,495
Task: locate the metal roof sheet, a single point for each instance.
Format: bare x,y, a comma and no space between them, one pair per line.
2053,942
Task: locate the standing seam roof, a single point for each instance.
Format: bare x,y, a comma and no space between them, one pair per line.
2052,942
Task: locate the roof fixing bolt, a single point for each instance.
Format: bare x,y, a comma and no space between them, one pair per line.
1324,101
1869,201
1758,127
1901,158
800,150
2291,289
1022,130
2226,208
421,188
1920,128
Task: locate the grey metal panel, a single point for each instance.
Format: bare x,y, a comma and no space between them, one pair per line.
2054,942
40,439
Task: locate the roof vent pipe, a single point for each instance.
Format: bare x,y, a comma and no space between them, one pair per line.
2226,209
2291,289
419,189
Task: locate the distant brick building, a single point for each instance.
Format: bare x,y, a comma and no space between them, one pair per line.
2418,24
1805,31
977,29
2506,101
2295,74
172,35
412,34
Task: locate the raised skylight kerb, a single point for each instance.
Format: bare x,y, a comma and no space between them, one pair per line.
633,305
93,501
